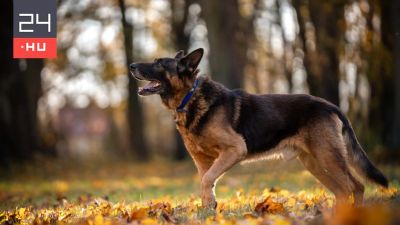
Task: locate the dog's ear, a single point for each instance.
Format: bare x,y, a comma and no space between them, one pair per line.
189,63
179,54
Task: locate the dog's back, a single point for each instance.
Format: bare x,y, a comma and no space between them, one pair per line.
265,120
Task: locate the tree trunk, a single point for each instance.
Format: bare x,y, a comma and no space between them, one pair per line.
179,19
181,40
134,112
380,74
20,90
287,57
227,35
395,140
322,49
389,97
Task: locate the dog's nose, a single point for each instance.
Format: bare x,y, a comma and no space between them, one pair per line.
133,66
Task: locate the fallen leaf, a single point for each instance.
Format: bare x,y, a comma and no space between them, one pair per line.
168,217
138,214
269,206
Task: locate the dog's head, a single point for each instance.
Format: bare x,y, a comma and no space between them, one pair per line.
167,76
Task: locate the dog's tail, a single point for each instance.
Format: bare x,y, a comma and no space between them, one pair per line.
358,159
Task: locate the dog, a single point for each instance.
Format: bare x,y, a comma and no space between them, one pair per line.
222,127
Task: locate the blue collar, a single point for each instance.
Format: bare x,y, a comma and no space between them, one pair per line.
188,96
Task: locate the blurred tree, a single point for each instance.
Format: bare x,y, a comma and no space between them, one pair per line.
375,56
395,9
179,19
20,89
385,77
181,40
321,25
134,112
356,14
229,34
380,51
288,49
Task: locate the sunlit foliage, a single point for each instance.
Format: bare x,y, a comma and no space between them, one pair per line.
168,193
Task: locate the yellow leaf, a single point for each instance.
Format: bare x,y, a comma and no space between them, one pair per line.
21,213
3,217
291,202
284,193
149,221
309,202
63,215
98,220
390,192
329,202
282,221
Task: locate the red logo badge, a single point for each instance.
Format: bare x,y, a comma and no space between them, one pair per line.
35,29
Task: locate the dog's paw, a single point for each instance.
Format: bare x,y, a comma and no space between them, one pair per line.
210,204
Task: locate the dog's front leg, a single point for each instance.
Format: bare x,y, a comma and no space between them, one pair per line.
202,161
225,161
203,164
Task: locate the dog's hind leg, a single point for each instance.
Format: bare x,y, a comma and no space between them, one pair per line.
311,164
338,180
326,160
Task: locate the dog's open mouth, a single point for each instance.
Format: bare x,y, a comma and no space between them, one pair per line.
153,87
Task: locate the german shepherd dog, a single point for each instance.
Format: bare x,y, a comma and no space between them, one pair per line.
221,127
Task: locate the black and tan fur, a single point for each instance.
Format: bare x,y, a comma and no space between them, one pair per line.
222,127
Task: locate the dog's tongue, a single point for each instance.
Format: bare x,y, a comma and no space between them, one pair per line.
149,86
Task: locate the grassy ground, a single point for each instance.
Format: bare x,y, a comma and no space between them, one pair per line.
165,192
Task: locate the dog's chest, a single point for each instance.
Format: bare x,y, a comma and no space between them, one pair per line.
197,144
